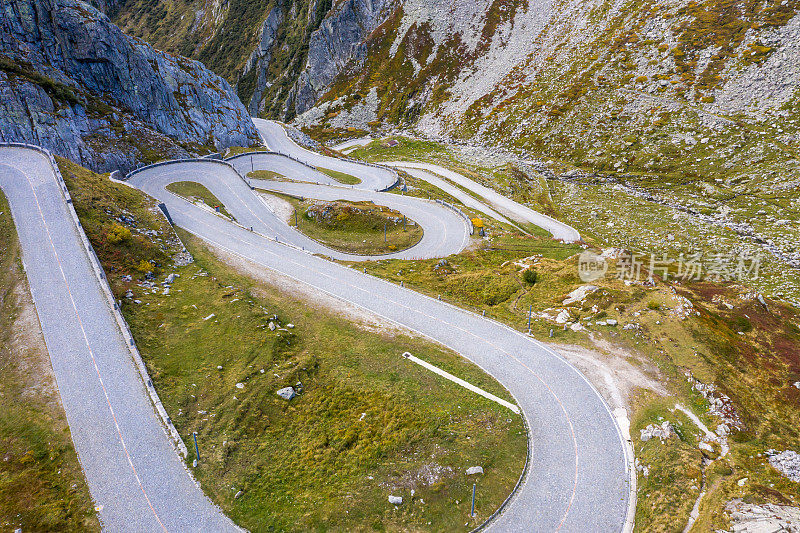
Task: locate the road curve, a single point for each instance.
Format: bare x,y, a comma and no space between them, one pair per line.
578,477
372,177
520,212
376,177
444,231
134,474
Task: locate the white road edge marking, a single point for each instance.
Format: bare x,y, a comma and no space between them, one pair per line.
459,381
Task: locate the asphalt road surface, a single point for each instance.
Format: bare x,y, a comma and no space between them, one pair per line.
578,478
444,231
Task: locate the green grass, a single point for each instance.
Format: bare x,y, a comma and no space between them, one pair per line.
341,177
367,424
193,191
42,487
355,227
265,175
103,207
238,150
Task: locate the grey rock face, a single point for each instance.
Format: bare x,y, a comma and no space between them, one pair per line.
261,56
120,87
339,39
786,462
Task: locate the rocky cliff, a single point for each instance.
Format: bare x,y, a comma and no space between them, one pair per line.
705,89
71,81
281,55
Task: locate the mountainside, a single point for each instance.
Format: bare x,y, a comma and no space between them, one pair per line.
607,85
71,81
281,54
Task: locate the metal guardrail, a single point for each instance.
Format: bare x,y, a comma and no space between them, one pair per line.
94,261
461,213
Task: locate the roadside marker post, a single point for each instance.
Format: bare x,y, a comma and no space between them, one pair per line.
196,449
530,311
472,512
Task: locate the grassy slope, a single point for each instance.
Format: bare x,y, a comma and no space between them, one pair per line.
265,175
299,465
358,233
341,177
748,351
194,191
42,487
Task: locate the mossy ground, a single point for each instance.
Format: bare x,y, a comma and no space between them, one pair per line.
366,424
42,486
341,177
727,338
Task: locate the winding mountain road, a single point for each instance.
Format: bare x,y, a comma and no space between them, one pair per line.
579,473
135,476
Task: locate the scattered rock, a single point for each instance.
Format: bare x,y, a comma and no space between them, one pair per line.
219,367
395,500
786,462
579,294
644,469
742,481
706,447
662,432
240,385
563,317
474,470
209,317
290,326
272,326
171,279
287,393
238,495
751,518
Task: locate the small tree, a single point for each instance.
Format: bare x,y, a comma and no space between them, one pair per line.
530,276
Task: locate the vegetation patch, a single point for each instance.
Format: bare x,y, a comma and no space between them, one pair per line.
365,423
265,175
341,177
355,227
126,228
194,192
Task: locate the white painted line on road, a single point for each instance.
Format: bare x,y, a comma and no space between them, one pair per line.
459,381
